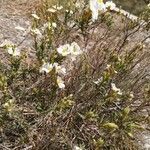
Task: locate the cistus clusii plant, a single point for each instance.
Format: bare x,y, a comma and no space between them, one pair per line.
85,87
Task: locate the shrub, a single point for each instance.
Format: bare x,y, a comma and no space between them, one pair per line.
98,102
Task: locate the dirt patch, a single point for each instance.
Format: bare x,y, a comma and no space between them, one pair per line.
15,13
17,7
12,14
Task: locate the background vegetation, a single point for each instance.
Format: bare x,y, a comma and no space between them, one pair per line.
132,6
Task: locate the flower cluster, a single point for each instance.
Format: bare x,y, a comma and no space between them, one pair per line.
54,8
11,48
13,51
36,32
60,70
46,67
115,89
72,49
99,5
9,105
35,16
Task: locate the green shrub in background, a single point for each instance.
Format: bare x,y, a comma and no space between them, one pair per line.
86,87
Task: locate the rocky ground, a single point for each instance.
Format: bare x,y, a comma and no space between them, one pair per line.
15,13
132,6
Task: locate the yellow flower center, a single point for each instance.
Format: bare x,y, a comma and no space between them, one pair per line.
100,1
64,50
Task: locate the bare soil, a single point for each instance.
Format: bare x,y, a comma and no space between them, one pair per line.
15,13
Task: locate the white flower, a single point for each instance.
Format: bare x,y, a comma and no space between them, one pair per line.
52,10
75,49
132,17
79,4
36,31
13,51
58,7
70,24
110,5
77,148
59,69
148,5
131,95
54,24
49,26
108,66
115,72
95,6
115,89
35,16
98,81
46,67
101,5
9,105
64,50
69,11
45,25
60,83
6,43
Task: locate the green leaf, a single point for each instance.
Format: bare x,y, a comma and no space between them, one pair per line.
98,143
110,126
126,111
130,134
135,126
